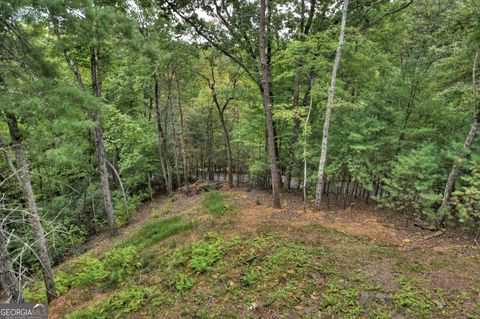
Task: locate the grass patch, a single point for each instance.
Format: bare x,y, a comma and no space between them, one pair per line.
215,203
117,305
156,230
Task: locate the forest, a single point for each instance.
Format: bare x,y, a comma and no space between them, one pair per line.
240,158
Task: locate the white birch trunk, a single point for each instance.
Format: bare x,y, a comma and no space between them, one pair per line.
328,115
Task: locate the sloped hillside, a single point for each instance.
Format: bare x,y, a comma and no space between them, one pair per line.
228,255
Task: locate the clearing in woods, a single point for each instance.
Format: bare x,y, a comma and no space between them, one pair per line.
183,258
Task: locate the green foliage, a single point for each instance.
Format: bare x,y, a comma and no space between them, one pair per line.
184,282
117,305
121,263
156,230
200,255
467,199
90,272
409,186
402,111
258,170
204,254
110,270
215,203
250,277
133,203
407,298
115,265
340,302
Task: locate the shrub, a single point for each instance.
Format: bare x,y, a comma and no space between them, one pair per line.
408,188
466,200
91,272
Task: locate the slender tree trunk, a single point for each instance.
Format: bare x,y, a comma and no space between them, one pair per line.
175,144
211,171
182,134
102,158
331,95
23,176
228,146
305,133
124,193
9,281
96,74
238,169
296,130
169,106
161,142
175,154
239,165
468,141
149,184
268,111
221,113
302,32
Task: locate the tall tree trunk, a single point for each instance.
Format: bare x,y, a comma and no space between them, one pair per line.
211,171
161,142
268,111
302,32
23,176
96,74
97,132
124,193
468,141
221,113
9,281
228,146
296,130
331,95
305,133
174,137
183,150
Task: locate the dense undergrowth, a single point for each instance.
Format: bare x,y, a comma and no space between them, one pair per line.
214,271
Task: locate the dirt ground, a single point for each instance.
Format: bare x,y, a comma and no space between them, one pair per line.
358,219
